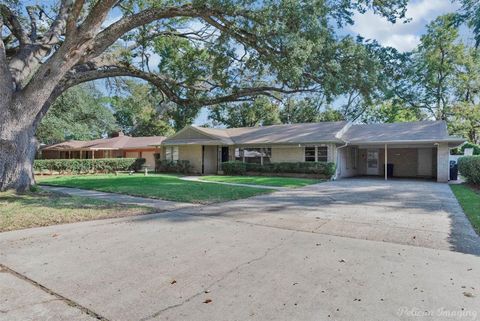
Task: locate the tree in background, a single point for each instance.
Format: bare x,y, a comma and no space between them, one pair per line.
388,112
137,108
308,110
466,121
260,112
80,113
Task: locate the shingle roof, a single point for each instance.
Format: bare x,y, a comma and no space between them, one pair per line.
398,132
286,133
120,142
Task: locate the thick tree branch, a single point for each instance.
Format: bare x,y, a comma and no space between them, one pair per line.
5,76
12,22
113,32
86,73
71,24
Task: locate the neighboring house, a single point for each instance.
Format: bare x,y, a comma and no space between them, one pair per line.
117,146
416,149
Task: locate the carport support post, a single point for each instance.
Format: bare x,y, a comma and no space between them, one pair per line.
386,160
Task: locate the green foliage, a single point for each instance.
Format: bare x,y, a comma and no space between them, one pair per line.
388,112
476,148
80,113
318,168
260,112
81,166
470,13
234,168
136,109
469,199
307,110
469,167
180,166
465,121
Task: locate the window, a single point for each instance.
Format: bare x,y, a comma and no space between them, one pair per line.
322,154
171,153
309,154
253,155
316,154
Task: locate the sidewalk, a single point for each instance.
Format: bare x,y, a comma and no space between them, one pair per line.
121,198
198,179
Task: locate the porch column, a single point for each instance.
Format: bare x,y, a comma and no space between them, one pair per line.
386,160
443,166
93,154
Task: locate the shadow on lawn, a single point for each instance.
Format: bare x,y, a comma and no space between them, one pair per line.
55,201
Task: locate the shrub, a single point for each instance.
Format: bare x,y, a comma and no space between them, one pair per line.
476,148
81,166
180,166
317,168
469,167
234,168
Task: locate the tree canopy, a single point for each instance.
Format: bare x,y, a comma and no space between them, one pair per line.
81,113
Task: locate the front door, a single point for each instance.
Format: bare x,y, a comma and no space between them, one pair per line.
224,154
372,162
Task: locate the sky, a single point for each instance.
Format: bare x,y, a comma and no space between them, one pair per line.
402,36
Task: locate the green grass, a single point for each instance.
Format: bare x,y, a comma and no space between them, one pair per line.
19,211
264,180
167,187
469,199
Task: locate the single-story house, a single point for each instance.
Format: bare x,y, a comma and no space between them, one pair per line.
416,149
116,146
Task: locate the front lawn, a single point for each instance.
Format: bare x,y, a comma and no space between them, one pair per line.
469,199
18,211
167,187
264,180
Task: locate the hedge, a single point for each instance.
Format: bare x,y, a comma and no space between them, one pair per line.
461,150
82,166
234,168
469,167
316,168
180,166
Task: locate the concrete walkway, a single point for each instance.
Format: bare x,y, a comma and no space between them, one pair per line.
199,179
161,205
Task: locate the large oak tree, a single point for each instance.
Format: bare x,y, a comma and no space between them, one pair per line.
239,49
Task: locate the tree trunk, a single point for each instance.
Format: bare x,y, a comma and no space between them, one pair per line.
18,146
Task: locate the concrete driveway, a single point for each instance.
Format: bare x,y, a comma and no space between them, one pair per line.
339,251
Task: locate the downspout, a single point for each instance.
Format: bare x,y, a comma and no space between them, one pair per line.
338,165
339,136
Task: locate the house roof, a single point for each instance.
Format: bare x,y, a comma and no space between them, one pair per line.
120,142
421,131
277,134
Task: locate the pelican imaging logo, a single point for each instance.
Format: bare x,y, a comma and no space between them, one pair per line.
461,314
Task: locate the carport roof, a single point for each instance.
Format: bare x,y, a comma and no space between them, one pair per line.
407,132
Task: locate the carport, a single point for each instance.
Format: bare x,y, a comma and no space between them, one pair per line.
419,150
